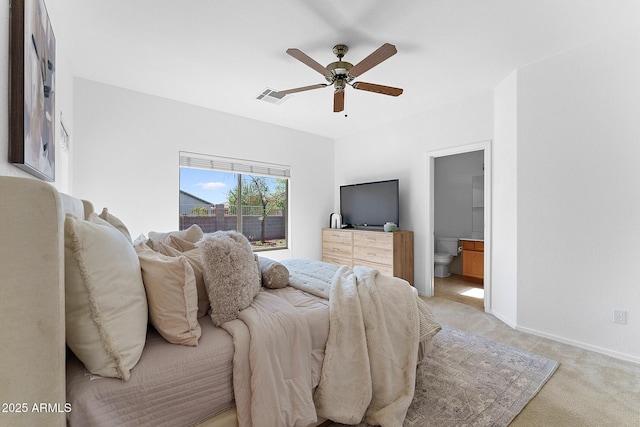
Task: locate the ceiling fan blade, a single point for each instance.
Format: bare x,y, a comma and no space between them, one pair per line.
338,101
310,62
382,53
385,90
301,89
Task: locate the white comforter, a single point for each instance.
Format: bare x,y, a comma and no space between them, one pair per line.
367,369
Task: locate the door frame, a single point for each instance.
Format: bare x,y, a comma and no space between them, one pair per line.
461,149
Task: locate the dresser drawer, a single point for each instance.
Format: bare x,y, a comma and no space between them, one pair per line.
337,249
336,236
331,259
373,240
385,269
374,254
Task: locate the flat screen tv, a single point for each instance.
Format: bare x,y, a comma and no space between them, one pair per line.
370,204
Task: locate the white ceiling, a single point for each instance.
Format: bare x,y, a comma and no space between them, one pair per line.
221,54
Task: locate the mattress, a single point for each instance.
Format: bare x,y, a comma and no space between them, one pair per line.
172,385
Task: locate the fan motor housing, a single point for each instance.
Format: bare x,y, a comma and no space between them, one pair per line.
339,67
339,84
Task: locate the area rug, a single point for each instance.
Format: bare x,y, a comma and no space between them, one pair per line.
470,380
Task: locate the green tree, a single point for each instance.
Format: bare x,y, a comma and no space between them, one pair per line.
268,193
199,211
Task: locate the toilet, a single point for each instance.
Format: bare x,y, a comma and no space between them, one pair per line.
446,249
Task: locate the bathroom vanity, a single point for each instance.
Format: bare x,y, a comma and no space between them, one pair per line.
473,259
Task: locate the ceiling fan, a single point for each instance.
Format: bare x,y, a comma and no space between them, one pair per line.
339,74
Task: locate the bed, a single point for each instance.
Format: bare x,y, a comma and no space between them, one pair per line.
217,371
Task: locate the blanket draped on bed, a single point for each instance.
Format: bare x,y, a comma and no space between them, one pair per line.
369,365
370,358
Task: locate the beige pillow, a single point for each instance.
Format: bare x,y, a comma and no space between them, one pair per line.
191,234
105,301
182,245
171,294
274,274
231,274
116,222
195,259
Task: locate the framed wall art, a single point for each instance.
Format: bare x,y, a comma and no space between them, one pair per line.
32,66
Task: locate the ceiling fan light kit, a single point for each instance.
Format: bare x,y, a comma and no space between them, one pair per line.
340,73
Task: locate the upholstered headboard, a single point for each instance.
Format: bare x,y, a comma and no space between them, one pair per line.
32,333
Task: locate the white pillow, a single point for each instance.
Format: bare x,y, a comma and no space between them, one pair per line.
231,274
191,234
116,222
105,301
171,294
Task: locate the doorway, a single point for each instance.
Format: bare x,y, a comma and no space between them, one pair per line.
452,176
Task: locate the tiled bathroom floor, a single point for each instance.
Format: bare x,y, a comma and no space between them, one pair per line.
455,288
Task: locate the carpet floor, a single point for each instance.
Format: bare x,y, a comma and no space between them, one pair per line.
587,390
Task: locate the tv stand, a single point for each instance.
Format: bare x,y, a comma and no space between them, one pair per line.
389,253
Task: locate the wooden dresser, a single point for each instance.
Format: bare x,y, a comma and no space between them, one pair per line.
473,260
389,253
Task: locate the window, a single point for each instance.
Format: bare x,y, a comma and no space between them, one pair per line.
229,194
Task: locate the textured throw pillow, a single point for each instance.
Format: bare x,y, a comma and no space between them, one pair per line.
274,274
191,234
116,222
195,259
105,302
171,295
231,274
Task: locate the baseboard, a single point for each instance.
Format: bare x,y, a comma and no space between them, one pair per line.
503,319
601,350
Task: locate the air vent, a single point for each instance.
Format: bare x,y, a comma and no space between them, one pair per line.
271,96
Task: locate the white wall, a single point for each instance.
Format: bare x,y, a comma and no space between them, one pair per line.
126,158
578,195
400,151
63,94
565,189
453,197
504,247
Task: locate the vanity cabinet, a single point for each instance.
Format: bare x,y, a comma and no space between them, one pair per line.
473,259
389,253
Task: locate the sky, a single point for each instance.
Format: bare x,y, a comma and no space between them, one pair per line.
212,186
209,185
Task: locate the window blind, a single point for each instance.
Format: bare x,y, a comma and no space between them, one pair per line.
203,161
